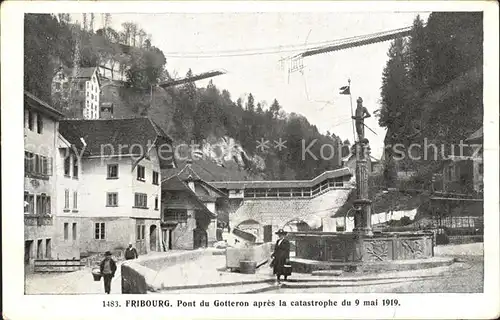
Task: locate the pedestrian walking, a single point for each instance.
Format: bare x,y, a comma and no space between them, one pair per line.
281,256
131,252
108,269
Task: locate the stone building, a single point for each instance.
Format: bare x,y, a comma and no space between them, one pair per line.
262,207
121,161
40,197
189,209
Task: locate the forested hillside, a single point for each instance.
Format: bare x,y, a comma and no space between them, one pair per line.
189,114
432,89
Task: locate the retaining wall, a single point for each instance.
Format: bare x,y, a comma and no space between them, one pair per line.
258,253
140,276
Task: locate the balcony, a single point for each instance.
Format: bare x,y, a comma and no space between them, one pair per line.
37,220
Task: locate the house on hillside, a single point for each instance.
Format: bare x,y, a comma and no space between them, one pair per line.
78,89
373,165
112,70
462,172
40,197
190,208
457,201
119,195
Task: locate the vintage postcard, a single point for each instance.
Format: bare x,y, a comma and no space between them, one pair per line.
250,159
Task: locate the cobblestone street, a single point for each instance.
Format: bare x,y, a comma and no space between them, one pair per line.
464,276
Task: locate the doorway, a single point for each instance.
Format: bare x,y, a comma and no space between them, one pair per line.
140,237
268,233
200,238
152,237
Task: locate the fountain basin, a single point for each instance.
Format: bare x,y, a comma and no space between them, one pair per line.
351,250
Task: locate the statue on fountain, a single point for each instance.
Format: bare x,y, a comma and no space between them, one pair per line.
362,205
360,115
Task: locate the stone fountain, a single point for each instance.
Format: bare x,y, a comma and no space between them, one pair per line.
363,249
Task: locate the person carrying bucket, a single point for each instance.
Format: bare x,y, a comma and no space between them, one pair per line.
108,269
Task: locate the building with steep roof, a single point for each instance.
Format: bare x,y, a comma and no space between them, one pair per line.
121,162
189,210
41,123
78,91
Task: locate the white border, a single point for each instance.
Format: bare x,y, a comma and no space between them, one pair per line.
18,306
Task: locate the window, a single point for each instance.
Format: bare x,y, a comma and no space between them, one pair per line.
480,168
75,168
175,215
31,121
112,199
92,96
46,204
28,162
100,231
141,200
67,165
74,230
75,200
88,93
66,231
81,86
37,163
44,165
58,86
156,203
140,232
29,205
42,204
66,199
48,251
61,76
39,123
155,177
141,173
112,171
39,249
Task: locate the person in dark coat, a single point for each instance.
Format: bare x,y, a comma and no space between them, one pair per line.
108,269
131,252
281,255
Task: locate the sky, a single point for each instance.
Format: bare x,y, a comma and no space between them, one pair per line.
314,92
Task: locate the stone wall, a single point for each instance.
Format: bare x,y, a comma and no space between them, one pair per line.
140,276
260,254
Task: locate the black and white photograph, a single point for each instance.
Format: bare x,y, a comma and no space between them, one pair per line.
266,152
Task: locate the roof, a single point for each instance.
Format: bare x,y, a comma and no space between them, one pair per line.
343,172
82,72
41,106
105,137
476,136
207,171
174,184
187,173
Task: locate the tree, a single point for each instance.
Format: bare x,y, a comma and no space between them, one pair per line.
250,103
274,109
